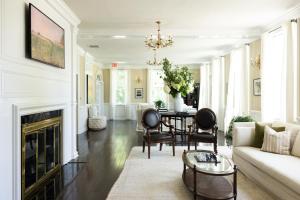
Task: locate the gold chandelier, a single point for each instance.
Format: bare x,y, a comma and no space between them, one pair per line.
157,42
155,62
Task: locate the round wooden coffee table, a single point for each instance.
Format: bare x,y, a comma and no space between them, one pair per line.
209,180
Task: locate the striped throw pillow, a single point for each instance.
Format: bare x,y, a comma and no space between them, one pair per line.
276,142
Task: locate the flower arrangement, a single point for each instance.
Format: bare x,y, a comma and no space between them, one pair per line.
177,80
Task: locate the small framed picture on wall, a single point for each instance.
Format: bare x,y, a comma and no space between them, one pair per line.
257,87
139,93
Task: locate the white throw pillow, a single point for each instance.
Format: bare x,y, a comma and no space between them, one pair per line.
276,142
296,146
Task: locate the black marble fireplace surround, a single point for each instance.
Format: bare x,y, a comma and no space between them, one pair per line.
42,178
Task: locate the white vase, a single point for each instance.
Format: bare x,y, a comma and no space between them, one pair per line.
178,103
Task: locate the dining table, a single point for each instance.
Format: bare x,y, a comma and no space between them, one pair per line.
174,118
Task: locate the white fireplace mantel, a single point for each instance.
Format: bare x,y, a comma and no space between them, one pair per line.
69,146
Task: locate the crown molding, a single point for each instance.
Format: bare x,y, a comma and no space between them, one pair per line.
64,10
290,14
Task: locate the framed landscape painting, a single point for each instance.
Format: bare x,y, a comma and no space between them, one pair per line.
47,39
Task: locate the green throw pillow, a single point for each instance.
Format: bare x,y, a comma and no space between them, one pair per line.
260,132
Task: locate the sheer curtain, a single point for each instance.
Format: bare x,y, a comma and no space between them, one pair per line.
292,66
218,90
238,85
273,77
278,71
205,89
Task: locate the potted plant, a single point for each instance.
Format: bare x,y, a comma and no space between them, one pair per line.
159,104
178,83
233,120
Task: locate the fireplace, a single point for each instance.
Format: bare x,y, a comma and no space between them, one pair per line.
41,146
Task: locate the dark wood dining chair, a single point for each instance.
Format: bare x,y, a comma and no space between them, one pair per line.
204,129
151,122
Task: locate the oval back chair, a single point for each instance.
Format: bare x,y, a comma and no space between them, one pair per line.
205,129
205,119
151,122
150,119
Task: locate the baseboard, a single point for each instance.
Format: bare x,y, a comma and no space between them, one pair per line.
83,130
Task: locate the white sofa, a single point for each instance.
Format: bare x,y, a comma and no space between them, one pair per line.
278,174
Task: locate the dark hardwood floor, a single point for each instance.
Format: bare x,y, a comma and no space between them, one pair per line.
104,154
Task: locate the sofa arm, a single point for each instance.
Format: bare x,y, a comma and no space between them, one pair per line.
243,136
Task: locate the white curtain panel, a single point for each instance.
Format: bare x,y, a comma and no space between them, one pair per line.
238,85
205,89
292,70
279,74
218,90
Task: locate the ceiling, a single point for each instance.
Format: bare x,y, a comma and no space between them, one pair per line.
201,29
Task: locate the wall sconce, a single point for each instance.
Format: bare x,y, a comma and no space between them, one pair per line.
138,79
256,62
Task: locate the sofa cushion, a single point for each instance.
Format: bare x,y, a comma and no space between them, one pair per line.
259,133
284,168
276,142
294,129
296,147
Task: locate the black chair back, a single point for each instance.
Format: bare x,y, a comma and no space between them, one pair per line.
150,118
205,119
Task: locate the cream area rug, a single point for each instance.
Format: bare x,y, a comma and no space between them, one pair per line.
159,178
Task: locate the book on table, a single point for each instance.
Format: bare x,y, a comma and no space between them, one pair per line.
206,157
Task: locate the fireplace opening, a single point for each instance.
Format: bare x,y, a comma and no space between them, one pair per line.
41,154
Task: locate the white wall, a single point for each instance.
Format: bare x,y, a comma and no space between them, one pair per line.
24,82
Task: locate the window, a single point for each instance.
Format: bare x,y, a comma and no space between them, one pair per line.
157,87
119,86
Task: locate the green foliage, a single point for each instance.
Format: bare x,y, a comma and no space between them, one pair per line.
178,80
237,119
159,104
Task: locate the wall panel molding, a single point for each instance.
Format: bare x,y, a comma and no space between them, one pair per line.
25,82
46,72
1,25
1,84
18,85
